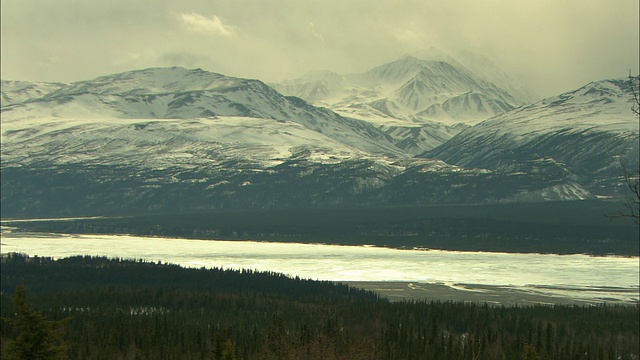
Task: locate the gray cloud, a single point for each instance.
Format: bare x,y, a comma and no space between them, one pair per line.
550,45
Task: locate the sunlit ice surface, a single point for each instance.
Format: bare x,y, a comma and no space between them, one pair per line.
576,276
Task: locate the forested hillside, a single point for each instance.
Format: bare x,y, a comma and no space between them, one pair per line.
132,309
553,227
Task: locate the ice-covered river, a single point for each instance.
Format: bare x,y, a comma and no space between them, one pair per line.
576,276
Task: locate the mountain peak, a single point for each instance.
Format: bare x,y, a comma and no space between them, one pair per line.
395,72
157,72
320,75
150,81
315,86
432,54
404,69
609,90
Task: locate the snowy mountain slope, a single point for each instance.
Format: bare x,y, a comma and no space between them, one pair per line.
582,133
166,142
468,106
354,101
14,92
181,93
171,140
417,138
151,81
438,81
485,68
59,166
316,86
413,137
482,67
407,86
426,87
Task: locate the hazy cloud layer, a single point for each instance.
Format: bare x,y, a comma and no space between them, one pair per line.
550,45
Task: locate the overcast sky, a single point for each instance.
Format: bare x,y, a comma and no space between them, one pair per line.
549,45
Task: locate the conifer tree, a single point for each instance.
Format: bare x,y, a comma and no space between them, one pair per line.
35,337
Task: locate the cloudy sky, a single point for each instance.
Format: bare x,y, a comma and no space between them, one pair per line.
549,45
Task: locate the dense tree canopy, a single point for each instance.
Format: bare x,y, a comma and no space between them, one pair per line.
35,338
132,309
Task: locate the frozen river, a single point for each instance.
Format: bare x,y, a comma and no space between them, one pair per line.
610,278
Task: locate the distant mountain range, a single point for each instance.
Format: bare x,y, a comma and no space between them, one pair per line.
173,139
421,100
424,86
584,134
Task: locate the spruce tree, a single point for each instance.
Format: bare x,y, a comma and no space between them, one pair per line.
35,337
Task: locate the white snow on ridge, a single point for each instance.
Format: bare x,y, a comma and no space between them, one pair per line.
151,81
428,85
601,105
163,142
420,100
563,192
158,117
174,93
14,92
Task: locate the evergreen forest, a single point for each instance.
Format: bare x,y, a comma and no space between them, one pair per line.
583,227
99,308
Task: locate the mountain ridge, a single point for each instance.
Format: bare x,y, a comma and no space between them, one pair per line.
441,74
121,96
425,90
585,131
141,142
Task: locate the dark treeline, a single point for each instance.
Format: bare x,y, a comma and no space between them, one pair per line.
132,309
560,227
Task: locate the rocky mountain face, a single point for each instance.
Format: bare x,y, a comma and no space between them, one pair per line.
178,140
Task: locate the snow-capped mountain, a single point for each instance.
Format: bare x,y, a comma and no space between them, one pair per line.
582,133
412,84
316,86
466,106
173,139
416,84
13,92
423,93
177,93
